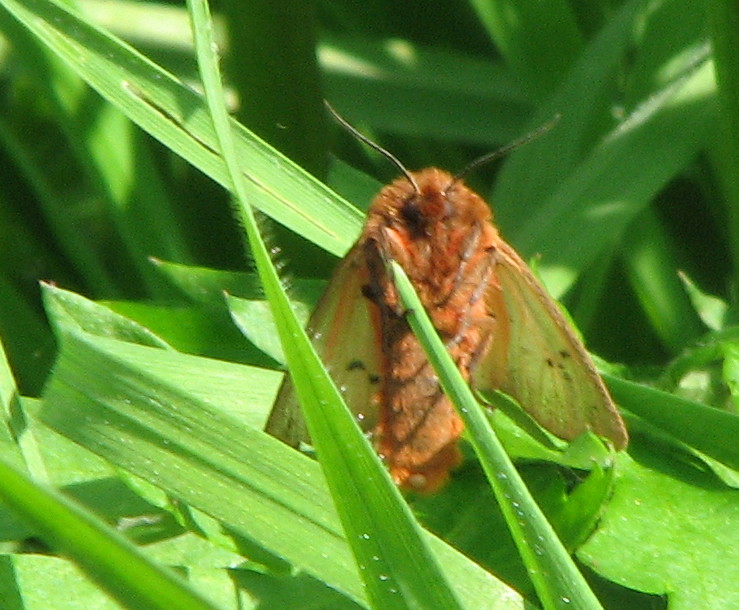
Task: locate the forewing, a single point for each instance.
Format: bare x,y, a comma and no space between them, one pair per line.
536,357
346,338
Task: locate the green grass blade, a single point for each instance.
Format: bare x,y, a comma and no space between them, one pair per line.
591,183
650,262
555,576
178,422
708,429
10,410
103,553
408,89
523,32
109,163
396,565
177,116
279,84
724,30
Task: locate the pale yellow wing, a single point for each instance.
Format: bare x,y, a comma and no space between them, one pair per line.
537,358
347,339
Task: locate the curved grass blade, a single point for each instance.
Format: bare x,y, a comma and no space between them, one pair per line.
397,567
101,552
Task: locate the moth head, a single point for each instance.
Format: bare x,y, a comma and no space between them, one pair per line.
424,201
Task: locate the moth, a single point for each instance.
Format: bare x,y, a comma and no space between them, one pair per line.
502,329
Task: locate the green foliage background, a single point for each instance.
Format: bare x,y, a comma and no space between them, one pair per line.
111,192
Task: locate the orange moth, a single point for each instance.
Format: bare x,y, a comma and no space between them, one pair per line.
501,327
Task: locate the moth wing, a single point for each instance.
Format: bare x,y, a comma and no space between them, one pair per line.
536,357
346,337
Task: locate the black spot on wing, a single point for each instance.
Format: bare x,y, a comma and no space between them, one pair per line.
356,365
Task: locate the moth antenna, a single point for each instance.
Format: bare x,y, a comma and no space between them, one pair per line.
502,152
362,138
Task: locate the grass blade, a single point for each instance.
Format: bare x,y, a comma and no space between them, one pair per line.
104,554
177,116
558,582
396,565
